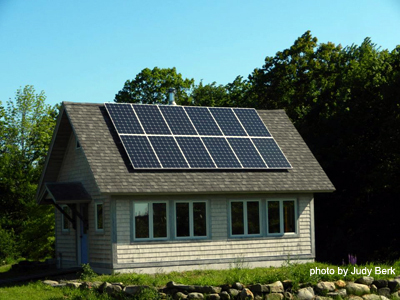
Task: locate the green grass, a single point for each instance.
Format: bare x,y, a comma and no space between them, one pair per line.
5,268
298,273
31,291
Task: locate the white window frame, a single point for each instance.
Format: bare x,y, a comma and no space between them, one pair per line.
96,216
63,219
191,221
245,220
151,229
281,217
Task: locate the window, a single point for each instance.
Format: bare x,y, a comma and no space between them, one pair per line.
99,219
245,217
281,215
64,221
150,220
191,219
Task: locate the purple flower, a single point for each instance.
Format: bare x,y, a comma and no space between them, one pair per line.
352,259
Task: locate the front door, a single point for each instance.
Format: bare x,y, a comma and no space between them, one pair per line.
83,235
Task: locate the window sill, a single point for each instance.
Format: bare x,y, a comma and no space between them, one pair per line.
268,237
174,241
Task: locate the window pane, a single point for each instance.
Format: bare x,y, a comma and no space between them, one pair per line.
159,220
288,215
273,217
182,219
253,217
237,218
65,220
141,220
99,216
199,219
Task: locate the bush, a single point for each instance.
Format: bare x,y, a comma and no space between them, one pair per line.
87,272
7,244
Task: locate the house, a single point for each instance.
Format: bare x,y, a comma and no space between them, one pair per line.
122,209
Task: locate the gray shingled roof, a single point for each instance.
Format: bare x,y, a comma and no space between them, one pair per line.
107,160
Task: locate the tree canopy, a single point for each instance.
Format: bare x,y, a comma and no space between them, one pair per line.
26,127
151,86
345,103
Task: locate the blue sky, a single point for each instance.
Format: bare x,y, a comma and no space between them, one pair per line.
84,51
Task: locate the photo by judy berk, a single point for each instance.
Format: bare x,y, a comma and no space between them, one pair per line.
353,271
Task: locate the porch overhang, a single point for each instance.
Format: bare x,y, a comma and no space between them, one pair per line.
64,193
67,193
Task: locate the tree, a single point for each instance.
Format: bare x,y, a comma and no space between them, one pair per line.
209,95
27,126
151,86
345,103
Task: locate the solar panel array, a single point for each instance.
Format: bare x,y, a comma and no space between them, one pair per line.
192,137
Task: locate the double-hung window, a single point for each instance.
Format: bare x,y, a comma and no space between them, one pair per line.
281,217
150,220
245,217
190,219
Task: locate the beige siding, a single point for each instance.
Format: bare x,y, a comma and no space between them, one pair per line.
100,242
220,247
65,244
219,220
123,221
76,168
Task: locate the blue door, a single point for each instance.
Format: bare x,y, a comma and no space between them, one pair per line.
83,237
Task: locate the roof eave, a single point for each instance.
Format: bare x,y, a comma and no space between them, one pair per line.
219,193
39,187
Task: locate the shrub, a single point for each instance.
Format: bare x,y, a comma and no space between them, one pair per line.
87,272
7,244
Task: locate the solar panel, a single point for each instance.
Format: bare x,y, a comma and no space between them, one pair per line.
227,121
177,120
247,153
271,153
195,152
124,118
221,152
203,120
151,119
140,152
251,122
168,152
190,137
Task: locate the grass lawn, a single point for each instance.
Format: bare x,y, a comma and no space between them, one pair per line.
298,273
5,268
31,291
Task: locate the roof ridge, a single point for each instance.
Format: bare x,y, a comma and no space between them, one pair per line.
82,103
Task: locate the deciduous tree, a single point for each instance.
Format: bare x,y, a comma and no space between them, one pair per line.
26,126
151,86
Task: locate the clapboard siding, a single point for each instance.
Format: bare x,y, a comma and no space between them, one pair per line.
123,221
219,246
65,243
219,220
100,242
